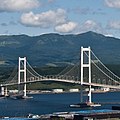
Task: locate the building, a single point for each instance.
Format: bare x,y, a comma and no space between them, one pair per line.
74,90
57,90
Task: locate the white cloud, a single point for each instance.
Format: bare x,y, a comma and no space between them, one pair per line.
17,5
51,1
91,25
114,25
109,35
45,19
113,3
66,28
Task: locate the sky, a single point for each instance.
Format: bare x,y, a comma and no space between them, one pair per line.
36,17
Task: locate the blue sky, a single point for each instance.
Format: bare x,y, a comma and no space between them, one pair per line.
36,17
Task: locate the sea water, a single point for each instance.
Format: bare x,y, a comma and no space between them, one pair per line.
50,103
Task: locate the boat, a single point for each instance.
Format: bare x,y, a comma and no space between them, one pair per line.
80,105
33,116
85,105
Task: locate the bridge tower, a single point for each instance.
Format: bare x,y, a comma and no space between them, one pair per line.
22,69
86,63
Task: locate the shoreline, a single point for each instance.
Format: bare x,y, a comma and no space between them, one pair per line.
49,92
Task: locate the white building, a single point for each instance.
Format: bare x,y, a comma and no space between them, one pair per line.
74,90
87,89
57,90
13,91
105,89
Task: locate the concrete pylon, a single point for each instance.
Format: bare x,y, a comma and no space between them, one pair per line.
85,64
22,70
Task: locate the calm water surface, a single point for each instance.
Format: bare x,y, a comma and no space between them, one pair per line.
49,103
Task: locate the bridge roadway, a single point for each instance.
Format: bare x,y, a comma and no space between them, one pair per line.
63,80
102,85
41,80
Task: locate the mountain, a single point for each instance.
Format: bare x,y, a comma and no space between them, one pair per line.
55,48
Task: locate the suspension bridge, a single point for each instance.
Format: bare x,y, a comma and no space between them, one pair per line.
89,71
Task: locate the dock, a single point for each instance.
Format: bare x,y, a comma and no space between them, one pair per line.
86,115
74,115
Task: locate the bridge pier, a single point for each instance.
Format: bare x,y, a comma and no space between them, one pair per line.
81,93
90,95
24,91
4,91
